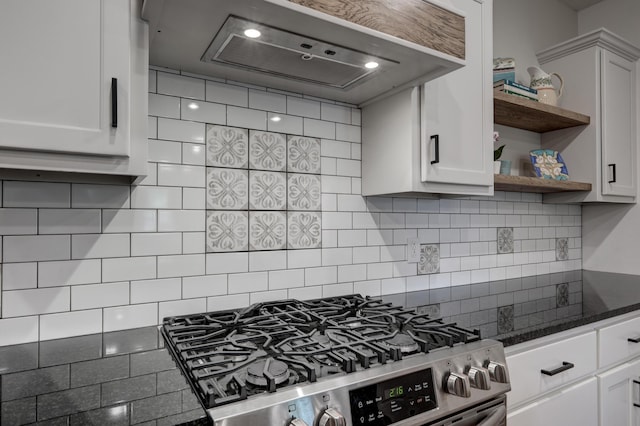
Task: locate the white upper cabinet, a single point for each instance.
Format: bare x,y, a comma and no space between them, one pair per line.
599,71
437,138
73,86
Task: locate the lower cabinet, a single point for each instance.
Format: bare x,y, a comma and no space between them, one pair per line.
620,395
576,405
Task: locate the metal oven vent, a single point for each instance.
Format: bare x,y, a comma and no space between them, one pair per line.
290,55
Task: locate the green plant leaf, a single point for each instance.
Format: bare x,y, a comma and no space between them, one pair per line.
497,153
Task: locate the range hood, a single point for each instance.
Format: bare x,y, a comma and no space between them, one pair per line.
354,51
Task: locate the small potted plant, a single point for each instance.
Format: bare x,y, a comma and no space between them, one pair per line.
497,153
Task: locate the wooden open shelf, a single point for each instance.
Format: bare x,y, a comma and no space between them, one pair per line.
521,113
535,184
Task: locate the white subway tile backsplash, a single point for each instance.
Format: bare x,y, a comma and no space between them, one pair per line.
99,196
118,221
156,197
36,194
181,307
100,246
227,94
129,268
132,316
165,151
14,331
69,221
184,131
181,265
260,99
69,272
161,222
319,129
36,247
205,285
68,324
18,221
152,244
181,175
180,85
146,291
204,112
19,276
93,296
246,118
181,221
18,303
164,106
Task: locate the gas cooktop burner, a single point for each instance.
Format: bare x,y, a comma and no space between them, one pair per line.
261,372
229,356
404,342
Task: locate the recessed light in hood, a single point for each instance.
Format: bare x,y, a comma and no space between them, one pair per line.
288,55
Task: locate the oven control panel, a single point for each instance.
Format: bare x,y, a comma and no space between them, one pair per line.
393,400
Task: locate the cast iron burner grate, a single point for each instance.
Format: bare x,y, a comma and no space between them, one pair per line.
229,356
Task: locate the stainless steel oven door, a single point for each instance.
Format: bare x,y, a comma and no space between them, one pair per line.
491,413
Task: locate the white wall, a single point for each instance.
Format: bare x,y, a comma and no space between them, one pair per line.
610,240
520,29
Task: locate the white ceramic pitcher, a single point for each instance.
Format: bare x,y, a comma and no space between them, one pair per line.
541,81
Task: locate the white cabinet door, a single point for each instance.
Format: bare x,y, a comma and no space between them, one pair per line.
618,394
59,58
576,405
618,79
458,108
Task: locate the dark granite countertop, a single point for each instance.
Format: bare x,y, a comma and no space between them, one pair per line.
127,377
522,309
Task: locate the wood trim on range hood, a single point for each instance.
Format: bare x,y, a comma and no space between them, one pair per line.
421,39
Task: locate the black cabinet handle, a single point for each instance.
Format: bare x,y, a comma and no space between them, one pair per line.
114,102
565,366
633,339
614,175
436,141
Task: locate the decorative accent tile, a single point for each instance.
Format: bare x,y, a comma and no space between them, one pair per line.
267,230
304,230
227,231
267,190
562,248
227,189
505,240
303,154
562,295
267,151
429,259
227,147
505,319
304,192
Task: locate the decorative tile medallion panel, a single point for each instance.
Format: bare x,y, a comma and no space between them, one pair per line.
505,240
429,259
562,248
263,191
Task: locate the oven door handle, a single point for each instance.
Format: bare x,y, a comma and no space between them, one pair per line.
495,419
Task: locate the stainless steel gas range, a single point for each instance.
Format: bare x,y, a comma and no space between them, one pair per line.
340,361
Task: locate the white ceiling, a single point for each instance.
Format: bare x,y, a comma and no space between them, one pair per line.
578,5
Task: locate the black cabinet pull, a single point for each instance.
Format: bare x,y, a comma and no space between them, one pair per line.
565,366
436,141
614,175
633,339
114,102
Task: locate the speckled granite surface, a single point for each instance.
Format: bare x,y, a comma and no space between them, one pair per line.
127,377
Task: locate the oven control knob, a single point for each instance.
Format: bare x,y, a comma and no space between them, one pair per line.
479,378
457,384
498,372
297,422
332,417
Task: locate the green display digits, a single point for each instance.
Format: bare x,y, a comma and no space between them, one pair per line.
394,392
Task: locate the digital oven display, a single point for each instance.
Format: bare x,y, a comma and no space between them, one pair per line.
393,400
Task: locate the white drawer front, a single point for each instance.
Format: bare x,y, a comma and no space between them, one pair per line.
527,380
614,344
